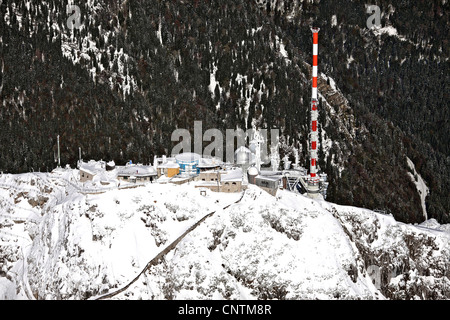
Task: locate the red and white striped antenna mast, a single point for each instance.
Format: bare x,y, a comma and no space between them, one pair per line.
313,180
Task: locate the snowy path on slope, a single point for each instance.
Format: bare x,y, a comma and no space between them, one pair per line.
164,252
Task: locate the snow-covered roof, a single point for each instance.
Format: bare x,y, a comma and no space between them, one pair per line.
268,178
233,175
269,173
137,171
98,172
214,171
170,164
89,170
209,163
92,167
187,157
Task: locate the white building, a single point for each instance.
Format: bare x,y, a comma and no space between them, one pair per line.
137,173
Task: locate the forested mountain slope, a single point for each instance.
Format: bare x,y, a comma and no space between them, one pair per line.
136,70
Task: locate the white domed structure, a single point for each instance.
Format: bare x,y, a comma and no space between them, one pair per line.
111,165
252,173
188,162
242,156
188,157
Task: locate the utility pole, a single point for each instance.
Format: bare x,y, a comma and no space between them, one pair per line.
79,157
218,181
59,154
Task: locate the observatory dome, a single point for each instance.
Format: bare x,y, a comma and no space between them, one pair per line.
253,171
242,155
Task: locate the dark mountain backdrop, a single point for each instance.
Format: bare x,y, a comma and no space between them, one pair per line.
136,70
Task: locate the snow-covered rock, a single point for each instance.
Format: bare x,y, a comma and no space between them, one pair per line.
79,246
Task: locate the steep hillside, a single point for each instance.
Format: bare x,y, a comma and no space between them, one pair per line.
136,70
395,77
57,243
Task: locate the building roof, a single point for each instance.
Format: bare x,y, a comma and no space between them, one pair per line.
270,173
187,157
169,165
222,171
233,175
89,170
209,163
91,167
137,171
98,171
269,178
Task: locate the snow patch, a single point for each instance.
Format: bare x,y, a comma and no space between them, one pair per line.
421,186
7,290
334,20
389,30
